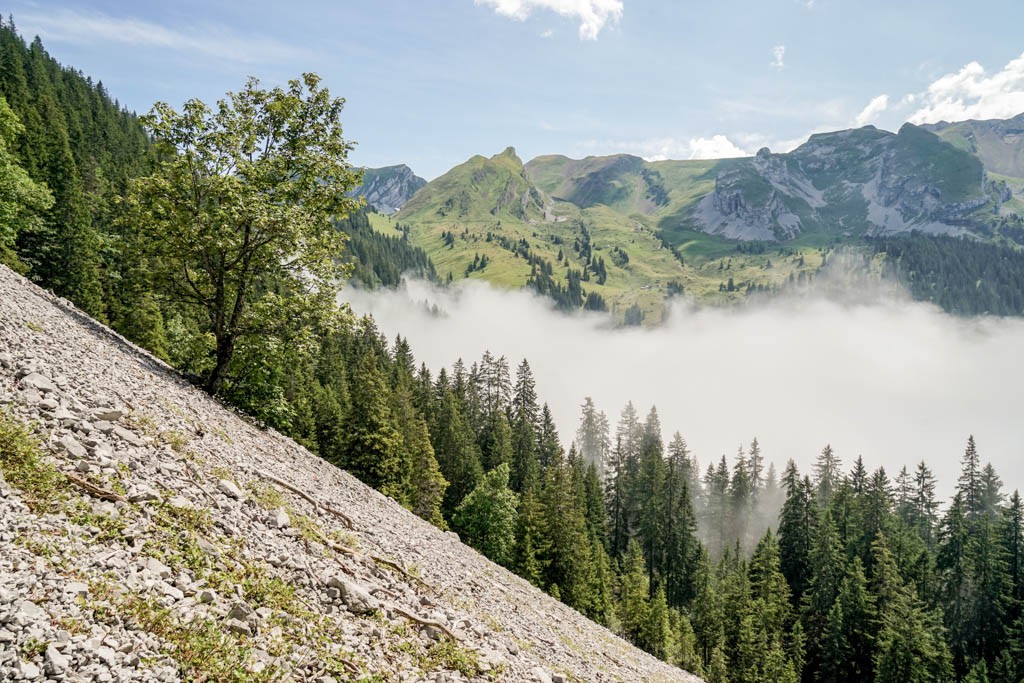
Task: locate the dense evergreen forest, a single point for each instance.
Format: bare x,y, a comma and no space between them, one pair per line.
963,276
737,572
381,260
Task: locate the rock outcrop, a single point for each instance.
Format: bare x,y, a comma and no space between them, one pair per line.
387,189
155,535
855,182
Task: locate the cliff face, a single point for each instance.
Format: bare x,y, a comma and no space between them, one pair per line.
389,188
155,535
853,182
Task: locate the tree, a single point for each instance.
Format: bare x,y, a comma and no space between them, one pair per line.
487,517
237,218
371,443
21,200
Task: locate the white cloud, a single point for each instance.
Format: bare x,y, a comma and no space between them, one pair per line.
547,33
973,93
870,113
91,28
778,56
714,147
593,15
893,380
659,149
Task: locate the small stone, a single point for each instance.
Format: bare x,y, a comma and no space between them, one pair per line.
206,596
279,519
238,627
49,404
84,467
141,493
159,568
38,382
356,598
558,678
229,488
540,675
72,446
54,660
108,414
28,670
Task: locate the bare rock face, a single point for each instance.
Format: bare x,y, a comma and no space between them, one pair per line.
388,189
151,554
854,182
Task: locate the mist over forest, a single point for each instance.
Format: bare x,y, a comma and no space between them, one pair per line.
892,380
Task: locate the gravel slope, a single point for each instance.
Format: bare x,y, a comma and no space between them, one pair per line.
199,565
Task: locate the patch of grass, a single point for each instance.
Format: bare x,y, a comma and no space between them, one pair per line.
448,654
265,495
144,422
201,648
21,460
34,647
175,439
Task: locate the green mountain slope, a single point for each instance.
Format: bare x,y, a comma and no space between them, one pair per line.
715,230
998,143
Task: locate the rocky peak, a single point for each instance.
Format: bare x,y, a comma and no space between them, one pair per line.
388,188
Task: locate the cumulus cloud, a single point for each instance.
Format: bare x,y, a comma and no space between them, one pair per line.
714,147
870,113
973,93
94,28
661,148
593,15
778,56
892,380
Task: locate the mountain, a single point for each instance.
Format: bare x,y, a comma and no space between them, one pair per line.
147,532
388,188
488,219
854,182
718,230
480,189
998,143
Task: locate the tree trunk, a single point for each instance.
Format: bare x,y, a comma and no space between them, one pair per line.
225,350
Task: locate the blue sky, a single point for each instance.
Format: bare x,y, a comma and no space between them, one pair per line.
432,82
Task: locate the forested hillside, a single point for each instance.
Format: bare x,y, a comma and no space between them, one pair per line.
84,147
735,571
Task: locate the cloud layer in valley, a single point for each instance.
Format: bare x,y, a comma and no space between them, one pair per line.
894,381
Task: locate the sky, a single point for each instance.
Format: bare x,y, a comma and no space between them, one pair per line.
431,83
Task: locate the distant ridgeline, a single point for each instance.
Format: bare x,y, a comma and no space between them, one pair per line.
624,234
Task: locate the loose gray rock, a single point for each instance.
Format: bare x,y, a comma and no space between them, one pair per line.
356,598
54,661
108,414
229,488
279,519
38,382
72,446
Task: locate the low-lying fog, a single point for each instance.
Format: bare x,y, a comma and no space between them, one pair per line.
894,381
